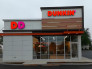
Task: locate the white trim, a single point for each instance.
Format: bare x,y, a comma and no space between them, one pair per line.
64,47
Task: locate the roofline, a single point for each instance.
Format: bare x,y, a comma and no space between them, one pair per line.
56,33
45,30
63,7
22,19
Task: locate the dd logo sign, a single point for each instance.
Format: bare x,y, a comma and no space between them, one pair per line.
20,25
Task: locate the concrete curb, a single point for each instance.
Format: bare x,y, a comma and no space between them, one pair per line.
57,64
50,64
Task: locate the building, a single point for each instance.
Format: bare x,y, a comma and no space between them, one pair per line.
56,36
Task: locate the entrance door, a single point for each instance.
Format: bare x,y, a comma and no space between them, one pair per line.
74,50
74,47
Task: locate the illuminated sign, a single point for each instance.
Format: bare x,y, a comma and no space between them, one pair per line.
20,25
61,13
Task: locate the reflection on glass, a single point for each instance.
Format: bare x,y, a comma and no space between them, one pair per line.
44,47
67,47
36,48
74,51
74,38
60,47
52,47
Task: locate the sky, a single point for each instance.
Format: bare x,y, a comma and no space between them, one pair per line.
30,9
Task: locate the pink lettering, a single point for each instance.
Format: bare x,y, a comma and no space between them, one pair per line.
21,25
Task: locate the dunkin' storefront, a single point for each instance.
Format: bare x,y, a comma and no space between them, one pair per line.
56,36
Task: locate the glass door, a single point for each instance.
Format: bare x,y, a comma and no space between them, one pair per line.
74,50
74,46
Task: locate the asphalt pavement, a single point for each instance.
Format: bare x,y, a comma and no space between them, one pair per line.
87,54
46,67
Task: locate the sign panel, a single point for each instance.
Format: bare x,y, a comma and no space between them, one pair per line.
62,18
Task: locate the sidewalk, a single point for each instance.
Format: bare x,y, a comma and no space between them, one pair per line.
83,61
57,61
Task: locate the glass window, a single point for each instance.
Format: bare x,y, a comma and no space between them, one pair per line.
60,47
36,48
55,47
44,47
52,47
74,38
67,47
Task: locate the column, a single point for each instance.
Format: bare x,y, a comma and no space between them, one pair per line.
79,47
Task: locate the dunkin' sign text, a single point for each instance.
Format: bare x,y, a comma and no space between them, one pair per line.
61,13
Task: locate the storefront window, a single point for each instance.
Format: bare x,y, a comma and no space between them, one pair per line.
36,48
44,47
55,47
74,38
67,47
52,47
60,47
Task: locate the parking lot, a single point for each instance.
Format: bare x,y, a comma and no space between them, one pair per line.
87,54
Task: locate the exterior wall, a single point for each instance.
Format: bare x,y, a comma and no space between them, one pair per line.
17,48
29,24
70,23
